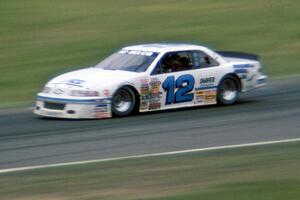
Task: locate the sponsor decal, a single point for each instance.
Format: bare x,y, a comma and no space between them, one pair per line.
199,96
210,96
145,93
208,80
155,82
205,96
155,94
144,90
102,111
136,52
155,87
154,105
144,105
150,94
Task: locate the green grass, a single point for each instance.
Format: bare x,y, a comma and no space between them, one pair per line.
263,173
39,39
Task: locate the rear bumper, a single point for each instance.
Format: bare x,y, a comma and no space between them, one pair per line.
261,81
73,108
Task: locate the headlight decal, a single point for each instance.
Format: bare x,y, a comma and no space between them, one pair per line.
84,93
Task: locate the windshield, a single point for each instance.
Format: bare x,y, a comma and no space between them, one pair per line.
128,60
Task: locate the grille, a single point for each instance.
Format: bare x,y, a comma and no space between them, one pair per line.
54,106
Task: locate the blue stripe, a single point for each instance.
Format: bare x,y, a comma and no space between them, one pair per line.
206,87
101,105
241,71
243,66
72,100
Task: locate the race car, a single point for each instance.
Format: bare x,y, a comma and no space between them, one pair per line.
151,77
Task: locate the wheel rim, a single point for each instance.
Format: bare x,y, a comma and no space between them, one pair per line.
122,101
229,90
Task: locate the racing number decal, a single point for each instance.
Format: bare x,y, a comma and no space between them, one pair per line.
169,87
184,83
183,90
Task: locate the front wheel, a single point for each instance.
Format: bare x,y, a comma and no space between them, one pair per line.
123,102
228,90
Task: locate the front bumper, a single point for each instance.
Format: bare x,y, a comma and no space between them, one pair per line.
73,108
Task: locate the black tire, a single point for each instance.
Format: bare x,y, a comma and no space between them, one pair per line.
123,102
228,90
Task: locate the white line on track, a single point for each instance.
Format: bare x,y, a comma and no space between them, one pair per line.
148,155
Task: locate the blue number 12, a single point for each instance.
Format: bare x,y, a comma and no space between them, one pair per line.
184,83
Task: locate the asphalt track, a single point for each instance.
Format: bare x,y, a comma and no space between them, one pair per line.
270,113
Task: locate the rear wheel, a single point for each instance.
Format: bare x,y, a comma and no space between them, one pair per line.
228,90
123,102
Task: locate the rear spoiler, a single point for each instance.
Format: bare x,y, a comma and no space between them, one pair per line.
233,54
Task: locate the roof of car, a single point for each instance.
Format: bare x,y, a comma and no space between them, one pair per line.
162,47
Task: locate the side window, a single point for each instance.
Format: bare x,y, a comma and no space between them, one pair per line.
202,60
182,61
174,62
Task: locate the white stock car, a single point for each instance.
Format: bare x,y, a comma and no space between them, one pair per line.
151,77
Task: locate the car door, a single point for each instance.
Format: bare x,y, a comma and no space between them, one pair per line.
209,74
181,79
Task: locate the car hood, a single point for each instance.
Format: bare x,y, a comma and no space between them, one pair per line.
91,77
